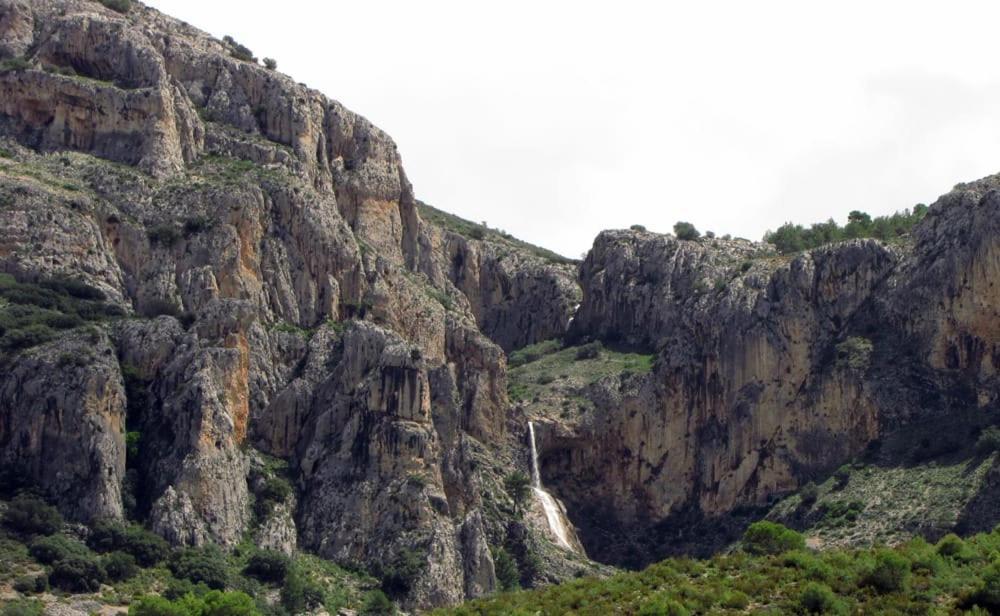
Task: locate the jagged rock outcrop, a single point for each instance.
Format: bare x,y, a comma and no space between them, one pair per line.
280,294
770,370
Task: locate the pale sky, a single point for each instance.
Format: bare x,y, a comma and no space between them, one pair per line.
555,119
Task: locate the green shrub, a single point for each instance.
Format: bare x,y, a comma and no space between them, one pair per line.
507,574
273,491
891,572
854,353
120,566
300,593
48,550
205,564
809,493
735,600
146,547
29,515
640,228
988,441
376,603
212,603
238,51
686,231
987,592
268,566
27,337
662,606
590,350
270,64
518,487
32,584
78,573
165,234
842,476
950,545
766,537
14,64
122,6
23,607
402,571
817,599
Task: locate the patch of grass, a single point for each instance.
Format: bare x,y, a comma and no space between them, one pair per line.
558,373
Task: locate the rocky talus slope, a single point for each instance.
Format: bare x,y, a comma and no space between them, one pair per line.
206,266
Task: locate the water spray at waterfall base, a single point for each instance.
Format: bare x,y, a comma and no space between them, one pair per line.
553,514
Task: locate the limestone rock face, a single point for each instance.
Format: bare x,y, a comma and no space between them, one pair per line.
282,297
770,370
62,420
277,293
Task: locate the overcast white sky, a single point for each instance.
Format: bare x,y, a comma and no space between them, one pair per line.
556,119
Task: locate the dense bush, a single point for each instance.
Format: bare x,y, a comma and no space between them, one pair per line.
809,493
146,547
376,603
270,64
842,476
951,545
120,566
402,571
205,564
987,592
507,574
78,573
48,550
29,515
35,313
212,603
518,487
766,537
165,234
791,238
686,231
662,606
238,51
638,228
891,572
122,6
591,350
32,584
300,593
988,441
268,566
273,490
854,353
817,599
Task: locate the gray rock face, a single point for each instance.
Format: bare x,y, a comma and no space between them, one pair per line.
771,370
283,295
62,420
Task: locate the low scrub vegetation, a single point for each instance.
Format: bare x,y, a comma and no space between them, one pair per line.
32,313
774,573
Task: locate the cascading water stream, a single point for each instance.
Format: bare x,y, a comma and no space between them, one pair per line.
552,512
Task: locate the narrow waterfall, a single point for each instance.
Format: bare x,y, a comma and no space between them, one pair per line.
553,514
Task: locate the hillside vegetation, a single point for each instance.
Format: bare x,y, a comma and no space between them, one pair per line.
790,238
773,573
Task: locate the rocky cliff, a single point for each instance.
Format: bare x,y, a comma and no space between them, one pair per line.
772,371
266,286
207,266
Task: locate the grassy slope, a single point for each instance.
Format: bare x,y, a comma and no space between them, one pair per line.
551,379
